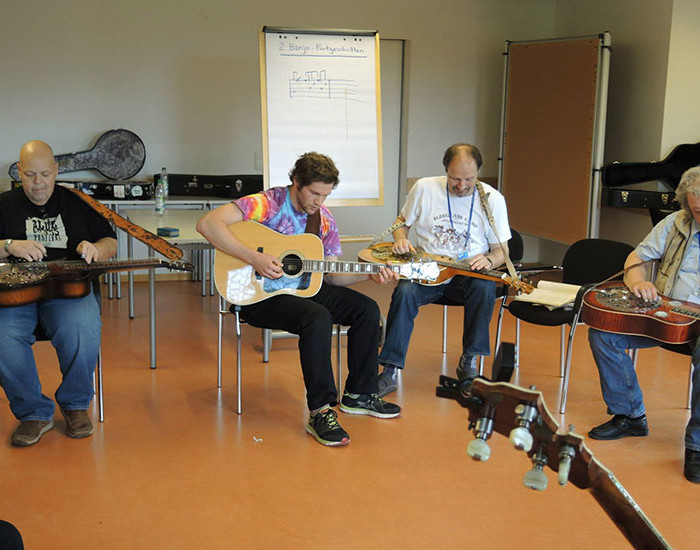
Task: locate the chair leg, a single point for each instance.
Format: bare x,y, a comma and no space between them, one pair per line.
499,324
266,344
339,359
238,360
567,367
222,312
100,391
444,329
517,343
562,351
690,386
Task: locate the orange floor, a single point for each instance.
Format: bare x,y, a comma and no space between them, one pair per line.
173,466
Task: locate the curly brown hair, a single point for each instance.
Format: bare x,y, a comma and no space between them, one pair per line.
311,167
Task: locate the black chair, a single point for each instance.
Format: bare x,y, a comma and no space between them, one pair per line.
586,262
41,336
516,251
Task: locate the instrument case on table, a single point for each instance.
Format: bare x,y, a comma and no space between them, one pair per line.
232,187
108,190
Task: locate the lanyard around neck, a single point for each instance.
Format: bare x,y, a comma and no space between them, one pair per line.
471,212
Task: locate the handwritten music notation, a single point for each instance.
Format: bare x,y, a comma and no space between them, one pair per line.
315,85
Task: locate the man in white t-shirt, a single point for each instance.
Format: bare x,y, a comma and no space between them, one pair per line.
448,218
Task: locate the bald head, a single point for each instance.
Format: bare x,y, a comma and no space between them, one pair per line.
37,170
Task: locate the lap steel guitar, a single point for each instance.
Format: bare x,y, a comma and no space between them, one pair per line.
448,267
611,307
302,262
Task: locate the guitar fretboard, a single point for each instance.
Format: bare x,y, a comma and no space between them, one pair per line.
694,313
336,266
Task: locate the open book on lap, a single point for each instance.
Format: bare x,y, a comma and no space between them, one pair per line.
551,294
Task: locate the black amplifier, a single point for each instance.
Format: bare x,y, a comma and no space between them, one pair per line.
231,187
108,189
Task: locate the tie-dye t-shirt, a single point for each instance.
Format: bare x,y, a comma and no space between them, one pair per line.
273,208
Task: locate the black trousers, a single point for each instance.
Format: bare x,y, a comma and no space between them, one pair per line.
313,319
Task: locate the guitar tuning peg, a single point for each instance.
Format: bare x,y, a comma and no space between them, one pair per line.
536,479
478,449
566,455
520,436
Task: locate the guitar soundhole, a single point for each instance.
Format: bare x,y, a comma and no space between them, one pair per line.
291,265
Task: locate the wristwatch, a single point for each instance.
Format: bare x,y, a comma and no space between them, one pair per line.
8,242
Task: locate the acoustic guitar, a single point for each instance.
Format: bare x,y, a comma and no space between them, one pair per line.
381,252
612,307
27,282
302,263
522,415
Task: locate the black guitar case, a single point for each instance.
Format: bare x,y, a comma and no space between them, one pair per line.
617,175
117,155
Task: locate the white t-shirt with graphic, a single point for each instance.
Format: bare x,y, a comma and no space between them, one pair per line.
440,222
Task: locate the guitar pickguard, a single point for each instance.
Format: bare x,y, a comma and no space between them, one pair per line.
244,286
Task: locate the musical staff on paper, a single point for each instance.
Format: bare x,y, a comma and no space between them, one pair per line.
316,85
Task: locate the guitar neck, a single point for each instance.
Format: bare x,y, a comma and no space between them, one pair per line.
68,267
461,266
338,266
623,510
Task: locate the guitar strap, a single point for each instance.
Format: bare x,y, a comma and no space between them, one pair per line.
313,223
379,237
483,196
160,245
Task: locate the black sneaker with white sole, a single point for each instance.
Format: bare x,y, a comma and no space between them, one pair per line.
369,404
325,428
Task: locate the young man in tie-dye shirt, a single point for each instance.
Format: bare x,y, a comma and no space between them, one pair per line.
286,210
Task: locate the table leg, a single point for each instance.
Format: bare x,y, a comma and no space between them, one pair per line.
130,250
152,309
205,261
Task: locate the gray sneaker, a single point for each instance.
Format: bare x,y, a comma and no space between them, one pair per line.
29,432
387,383
467,368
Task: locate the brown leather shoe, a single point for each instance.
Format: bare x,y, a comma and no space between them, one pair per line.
78,423
29,432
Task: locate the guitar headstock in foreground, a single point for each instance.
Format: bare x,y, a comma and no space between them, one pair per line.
522,415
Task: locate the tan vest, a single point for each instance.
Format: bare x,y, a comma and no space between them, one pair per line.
673,255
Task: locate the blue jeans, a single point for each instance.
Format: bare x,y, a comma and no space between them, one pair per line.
73,326
618,379
479,296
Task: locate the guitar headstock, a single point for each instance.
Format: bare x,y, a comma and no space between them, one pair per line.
421,271
521,415
519,285
179,265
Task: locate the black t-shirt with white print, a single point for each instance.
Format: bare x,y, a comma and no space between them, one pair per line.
62,223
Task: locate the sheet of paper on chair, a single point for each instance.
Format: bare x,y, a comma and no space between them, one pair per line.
551,294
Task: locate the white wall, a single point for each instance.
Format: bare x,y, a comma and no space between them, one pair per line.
681,120
184,75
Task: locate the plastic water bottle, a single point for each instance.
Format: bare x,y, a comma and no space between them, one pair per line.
164,180
160,198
